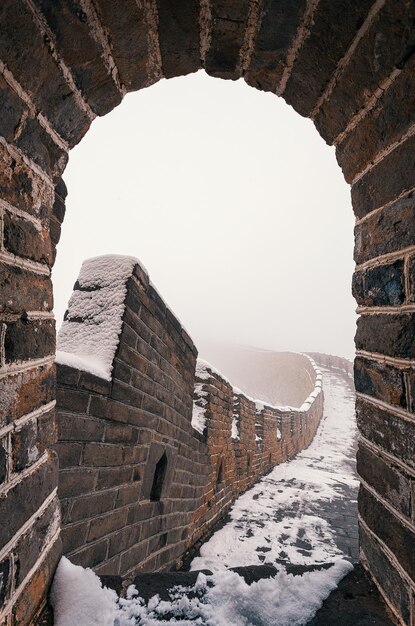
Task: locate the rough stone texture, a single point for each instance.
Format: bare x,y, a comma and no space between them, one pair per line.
380,286
113,437
381,381
277,27
229,21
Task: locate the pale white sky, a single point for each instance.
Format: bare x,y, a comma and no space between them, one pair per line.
233,203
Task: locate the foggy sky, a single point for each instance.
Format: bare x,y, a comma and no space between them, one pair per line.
233,203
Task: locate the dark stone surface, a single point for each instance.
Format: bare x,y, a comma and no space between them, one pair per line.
394,587
229,20
382,126
371,62
29,58
389,481
356,602
380,286
25,498
278,25
391,229
393,335
385,382
24,291
29,339
390,432
82,53
388,527
314,67
179,36
391,177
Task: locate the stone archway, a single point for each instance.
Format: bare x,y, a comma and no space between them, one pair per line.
348,65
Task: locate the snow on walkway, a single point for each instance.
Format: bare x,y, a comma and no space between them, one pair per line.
302,512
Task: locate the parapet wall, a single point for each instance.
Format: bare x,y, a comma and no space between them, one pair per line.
333,362
138,484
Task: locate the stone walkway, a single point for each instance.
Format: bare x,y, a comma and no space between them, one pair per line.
305,511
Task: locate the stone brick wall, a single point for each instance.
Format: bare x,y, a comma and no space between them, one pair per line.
348,66
333,362
114,436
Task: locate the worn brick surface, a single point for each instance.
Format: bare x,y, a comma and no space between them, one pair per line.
82,53
386,231
28,57
371,63
383,285
385,181
393,585
387,480
178,36
229,20
29,339
381,381
278,24
314,67
387,334
396,435
398,537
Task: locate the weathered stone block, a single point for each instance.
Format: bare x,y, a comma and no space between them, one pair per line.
92,555
113,476
382,381
371,62
279,22
29,339
393,335
37,144
132,558
386,231
30,60
31,543
72,400
102,526
25,498
101,455
382,285
229,21
314,66
79,428
82,53
124,539
129,41
394,434
386,181
95,503
388,527
178,30
24,291
392,584
384,125
76,481
74,536
24,446
387,480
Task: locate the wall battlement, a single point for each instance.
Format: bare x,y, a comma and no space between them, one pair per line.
138,484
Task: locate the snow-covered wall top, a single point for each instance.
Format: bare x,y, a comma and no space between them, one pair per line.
89,336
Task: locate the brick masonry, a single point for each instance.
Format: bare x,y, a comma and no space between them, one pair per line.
112,436
348,67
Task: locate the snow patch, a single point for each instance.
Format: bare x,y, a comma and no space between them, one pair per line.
79,599
199,408
88,338
221,599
